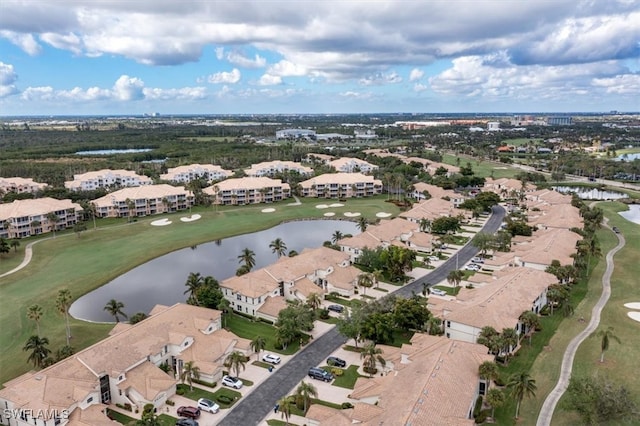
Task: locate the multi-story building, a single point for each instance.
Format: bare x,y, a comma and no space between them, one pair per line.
386,233
248,190
341,185
352,165
271,168
20,185
123,369
295,134
106,179
185,174
143,201
24,218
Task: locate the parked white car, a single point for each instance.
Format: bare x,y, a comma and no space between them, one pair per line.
208,405
438,292
232,382
271,358
472,267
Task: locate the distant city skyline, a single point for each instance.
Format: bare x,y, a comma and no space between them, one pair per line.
87,57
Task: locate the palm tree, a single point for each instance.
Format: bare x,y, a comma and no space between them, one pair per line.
248,257
53,222
15,243
606,335
278,246
371,356
39,350
521,385
377,276
306,391
488,371
362,224
115,308
286,405
509,340
337,236
425,225
314,301
189,372
531,321
194,282
224,305
365,280
34,313
234,361
494,398
63,302
455,277
258,344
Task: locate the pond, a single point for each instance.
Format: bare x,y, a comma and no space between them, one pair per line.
633,214
162,280
587,193
628,157
113,151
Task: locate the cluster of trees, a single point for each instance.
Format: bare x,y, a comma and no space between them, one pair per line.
600,401
296,319
500,241
204,291
5,245
393,260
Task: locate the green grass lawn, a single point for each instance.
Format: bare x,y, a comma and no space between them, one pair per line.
482,168
244,327
85,263
348,378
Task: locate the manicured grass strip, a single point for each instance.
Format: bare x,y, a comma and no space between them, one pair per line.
348,378
121,418
274,422
451,291
166,420
196,393
244,327
232,395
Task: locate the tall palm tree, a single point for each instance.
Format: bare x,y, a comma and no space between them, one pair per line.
365,280
377,276
115,307
258,344
234,361
455,277
53,222
606,336
372,356
488,371
224,305
63,302
521,385
531,321
337,236
362,224
34,313
425,225
306,391
15,243
494,398
286,404
314,301
248,257
194,282
39,351
189,372
278,247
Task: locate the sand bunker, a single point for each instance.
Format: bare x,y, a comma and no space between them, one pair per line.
161,222
269,210
352,214
322,206
336,205
634,316
330,214
383,214
632,305
190,218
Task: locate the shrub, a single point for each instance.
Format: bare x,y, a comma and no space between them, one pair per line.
499,381
477,408
224,399
323,313
170,403
127,406
346,405
370,370
337,372
179,391
148,408
481,417
204,383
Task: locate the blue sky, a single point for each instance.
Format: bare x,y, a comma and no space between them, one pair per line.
331,56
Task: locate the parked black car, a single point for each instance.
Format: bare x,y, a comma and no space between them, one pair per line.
337,362
186,422
320,374
336,308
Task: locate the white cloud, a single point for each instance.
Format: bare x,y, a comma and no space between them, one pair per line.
416,74
219,53
25,42
231,77
8,77
128,88
380,78
286,68
269,80
419,87
356,95
68,41
183,93
41,93
628,84
244,62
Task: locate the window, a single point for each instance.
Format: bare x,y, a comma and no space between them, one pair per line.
89,400
239,296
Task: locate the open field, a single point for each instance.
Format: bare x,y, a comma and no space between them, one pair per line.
483,168
521,141
85,263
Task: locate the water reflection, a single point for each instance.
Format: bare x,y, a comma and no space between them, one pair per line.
633,214
586,193
162,280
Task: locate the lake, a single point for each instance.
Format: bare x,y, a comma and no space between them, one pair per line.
113,151
162,280
587,193
633,214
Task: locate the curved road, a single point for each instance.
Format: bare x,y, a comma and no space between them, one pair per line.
549,405
255,406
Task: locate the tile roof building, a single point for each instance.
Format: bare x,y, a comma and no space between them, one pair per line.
341,185
248,190
24,218
420,188
185,174
125,368
432,209
106,179
143,201
271,168
20,185
352,165
384,234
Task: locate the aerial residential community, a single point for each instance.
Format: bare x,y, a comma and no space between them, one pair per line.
319,213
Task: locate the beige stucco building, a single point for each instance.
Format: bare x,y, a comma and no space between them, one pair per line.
187,173
24,218
248,190
143,201
106,179
341,185
20,185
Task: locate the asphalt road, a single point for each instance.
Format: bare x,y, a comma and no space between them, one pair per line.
255,406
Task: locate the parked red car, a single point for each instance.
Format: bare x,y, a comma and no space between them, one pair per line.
190,412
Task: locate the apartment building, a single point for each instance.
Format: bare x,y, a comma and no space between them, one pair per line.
20,185
420,190
143,201
185,174
386,233
341,185
124,368
106,179
434,208
352,165
24,218
271,168
248,190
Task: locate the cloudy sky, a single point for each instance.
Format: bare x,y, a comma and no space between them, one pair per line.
318,56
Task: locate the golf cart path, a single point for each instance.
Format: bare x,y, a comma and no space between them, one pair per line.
28,254
549,405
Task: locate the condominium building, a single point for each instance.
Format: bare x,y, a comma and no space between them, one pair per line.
352,165
248,190
185,174
24,218
388,232
271,168
106,179
341,185
143,201
20,185
295,133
